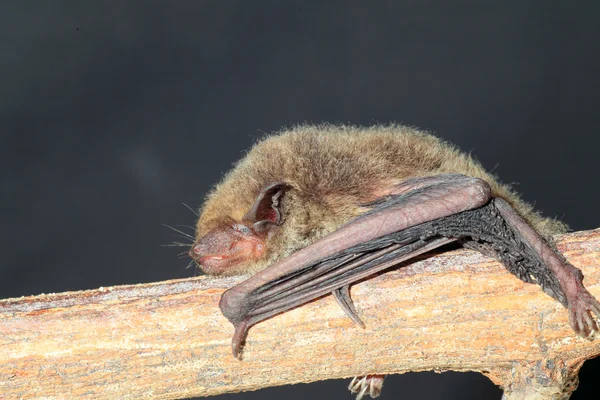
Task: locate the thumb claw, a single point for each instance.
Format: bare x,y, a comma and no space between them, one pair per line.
239,337
342,296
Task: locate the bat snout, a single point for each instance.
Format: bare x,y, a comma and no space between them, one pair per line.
224,251
199,251
212,264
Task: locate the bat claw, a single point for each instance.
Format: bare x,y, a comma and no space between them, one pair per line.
241,331
342,295
584,309
371,384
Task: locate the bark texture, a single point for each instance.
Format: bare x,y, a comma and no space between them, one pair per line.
456,311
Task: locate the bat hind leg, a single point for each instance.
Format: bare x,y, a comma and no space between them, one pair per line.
503,234
368,384
582,305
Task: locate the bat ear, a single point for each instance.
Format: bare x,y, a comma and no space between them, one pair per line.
266,209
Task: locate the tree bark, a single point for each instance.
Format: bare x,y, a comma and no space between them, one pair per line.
455,311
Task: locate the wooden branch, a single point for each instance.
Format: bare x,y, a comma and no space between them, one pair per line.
456,311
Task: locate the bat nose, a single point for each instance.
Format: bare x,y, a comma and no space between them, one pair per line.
197,252
209,263
194,252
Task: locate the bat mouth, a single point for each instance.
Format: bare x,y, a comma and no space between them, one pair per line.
203,259
213,264
195,254
209,263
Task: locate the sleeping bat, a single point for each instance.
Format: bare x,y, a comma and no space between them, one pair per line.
311,210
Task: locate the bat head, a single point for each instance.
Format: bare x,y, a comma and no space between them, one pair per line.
225,249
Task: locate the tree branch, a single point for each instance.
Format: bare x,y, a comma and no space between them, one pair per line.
455,311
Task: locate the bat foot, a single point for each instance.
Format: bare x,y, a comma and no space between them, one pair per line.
368,384
584,310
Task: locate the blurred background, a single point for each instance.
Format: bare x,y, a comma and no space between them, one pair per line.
114,113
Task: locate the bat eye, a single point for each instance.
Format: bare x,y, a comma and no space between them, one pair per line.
242,228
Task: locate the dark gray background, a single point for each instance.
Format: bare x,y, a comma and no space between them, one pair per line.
114,113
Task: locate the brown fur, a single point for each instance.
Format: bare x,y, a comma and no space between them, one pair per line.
332,170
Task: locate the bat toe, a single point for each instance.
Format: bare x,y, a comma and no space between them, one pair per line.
368,384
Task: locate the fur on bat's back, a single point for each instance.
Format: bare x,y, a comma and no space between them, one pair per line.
332,170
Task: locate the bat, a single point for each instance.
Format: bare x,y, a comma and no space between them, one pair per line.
311,210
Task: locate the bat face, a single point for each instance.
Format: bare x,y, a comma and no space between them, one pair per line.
231,246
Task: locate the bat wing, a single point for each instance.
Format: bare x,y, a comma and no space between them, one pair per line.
398,227
418,216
